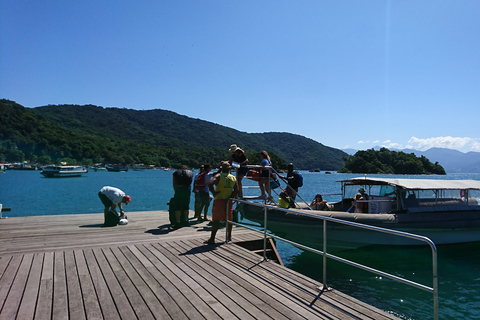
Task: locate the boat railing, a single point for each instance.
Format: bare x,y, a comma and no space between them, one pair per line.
433,289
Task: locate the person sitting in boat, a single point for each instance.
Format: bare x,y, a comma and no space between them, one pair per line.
111,198
318,203
239,158
361,205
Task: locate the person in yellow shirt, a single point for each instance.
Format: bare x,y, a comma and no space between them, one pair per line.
223,186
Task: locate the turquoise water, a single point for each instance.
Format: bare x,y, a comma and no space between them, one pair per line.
28,193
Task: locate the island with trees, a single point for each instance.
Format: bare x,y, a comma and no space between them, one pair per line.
386,161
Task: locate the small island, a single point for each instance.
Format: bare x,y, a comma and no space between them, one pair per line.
389,162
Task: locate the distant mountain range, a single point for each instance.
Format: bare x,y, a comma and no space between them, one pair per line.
453,161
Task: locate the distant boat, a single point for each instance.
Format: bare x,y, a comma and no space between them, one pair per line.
139,167
114,168
63,171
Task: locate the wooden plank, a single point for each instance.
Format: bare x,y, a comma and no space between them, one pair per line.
29,300
109,310
131,292
4,261
15,294
75,299
155,308
90,299
280,288
307,293
8,278
155,281
192,286
183,296
242,292
217,291
60,303
45,296
275,297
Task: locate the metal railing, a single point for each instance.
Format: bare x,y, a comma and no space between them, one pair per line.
433,289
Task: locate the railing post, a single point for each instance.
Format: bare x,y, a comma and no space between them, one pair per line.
226,219
265,234
435,283
325,255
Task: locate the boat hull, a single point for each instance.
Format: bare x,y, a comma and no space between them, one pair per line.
116,169
441,228
63,172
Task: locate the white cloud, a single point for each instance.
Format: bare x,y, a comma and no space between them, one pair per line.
457,143
392,145
463,144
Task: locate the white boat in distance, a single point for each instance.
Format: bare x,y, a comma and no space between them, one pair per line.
446,211
63,171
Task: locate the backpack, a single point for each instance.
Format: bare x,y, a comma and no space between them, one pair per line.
299,179
111,219
200,182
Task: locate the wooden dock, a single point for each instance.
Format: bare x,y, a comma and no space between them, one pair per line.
70,267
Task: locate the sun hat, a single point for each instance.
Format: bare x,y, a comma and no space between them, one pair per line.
127,199
233,148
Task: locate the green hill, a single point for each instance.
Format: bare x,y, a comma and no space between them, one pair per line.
390,162
94,134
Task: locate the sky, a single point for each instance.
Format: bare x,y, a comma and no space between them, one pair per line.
348,74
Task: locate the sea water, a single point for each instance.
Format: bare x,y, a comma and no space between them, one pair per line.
28,193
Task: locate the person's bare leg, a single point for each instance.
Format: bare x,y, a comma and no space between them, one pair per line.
215,226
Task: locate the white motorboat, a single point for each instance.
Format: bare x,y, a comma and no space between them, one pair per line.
63,171
446,211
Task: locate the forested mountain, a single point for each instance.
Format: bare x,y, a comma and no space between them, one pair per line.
94,134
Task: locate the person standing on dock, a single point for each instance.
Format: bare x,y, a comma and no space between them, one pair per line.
182,181
202,193
111,198
223,186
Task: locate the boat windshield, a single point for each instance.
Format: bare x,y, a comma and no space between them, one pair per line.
371,190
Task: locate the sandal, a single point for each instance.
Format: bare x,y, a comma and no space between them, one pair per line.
208,242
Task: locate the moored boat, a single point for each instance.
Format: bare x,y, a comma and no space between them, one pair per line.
63,171
446,211
115,168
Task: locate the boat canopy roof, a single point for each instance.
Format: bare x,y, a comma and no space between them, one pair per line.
416,184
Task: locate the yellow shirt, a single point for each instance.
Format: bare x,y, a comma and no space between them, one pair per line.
225,185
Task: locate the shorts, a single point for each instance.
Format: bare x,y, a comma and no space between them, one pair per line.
219,210
106,202
202,198
242,171
181,199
